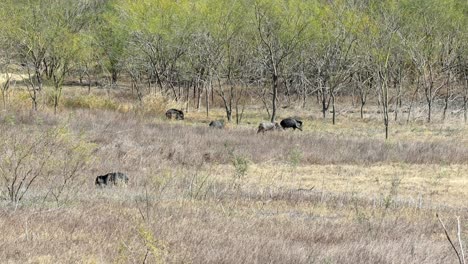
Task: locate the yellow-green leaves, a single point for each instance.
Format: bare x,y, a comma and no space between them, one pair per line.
158,17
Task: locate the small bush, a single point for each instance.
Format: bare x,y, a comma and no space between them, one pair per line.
240,162
241,165
295,157
153,246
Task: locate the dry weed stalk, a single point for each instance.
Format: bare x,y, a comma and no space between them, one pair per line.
461,256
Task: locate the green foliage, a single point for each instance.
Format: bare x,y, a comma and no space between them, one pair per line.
241,165
240,162
164,40
283,25
295,157
153,245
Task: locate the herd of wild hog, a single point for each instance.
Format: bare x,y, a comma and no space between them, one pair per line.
114,178
262,127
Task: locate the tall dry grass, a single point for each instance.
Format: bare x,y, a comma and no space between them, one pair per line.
186,204
196,143
123,226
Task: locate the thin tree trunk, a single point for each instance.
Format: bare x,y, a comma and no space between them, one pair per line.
5,88
275,94
32,90
187,99
288,92
238,99
325,98
397,85
465,108
34,100
227,104
265,104
211,92
383,98
465,96
195,83
412,99
304,95
333,108
447,97
114,77
89,81
207,97
158,79
362,109
200,90
429,105
363,94
429,94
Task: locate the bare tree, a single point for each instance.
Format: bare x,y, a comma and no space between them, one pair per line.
463,77
6,60
275,45
382,91
364,82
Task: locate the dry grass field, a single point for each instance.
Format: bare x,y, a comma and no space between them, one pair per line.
329,194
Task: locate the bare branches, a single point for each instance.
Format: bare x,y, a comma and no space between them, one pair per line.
460,240
461,257
52,157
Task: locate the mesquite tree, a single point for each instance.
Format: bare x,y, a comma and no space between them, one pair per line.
280,31
202,48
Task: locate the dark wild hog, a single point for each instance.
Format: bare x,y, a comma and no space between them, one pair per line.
268,126
291,123
176,113
217,124
111,178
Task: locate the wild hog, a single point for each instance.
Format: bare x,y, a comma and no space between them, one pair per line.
176,113
291,123
268,126
111,178
217,124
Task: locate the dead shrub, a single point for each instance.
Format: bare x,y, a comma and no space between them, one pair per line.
51,158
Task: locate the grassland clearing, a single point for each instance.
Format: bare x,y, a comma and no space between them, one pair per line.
329,194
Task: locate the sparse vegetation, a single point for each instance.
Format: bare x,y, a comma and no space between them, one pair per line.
86,85
180,204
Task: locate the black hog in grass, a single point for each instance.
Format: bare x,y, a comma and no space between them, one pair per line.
268,126
176,113
217,124
113,178
291,123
